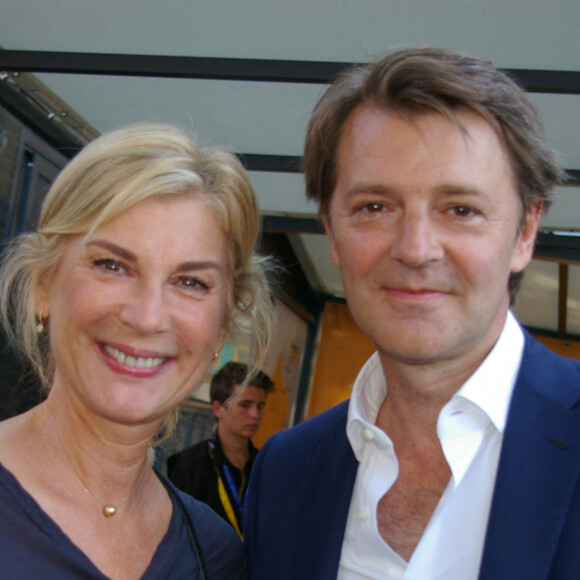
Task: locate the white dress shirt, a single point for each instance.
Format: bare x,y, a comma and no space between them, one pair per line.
470,428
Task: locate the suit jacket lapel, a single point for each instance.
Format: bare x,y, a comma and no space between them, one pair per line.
326,501
538,469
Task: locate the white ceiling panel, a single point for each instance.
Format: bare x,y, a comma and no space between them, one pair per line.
561,118
512,33
565,212
249,117
270,118
282,193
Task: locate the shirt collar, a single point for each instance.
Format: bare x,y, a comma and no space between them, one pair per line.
491,385
489,388
370,390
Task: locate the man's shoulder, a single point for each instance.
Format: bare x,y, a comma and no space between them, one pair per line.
328,426
554,376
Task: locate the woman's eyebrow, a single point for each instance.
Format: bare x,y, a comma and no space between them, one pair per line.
120,251
188,266
207,265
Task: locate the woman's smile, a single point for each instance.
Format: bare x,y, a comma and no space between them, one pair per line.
125,359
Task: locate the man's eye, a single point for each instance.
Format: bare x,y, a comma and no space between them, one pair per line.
373,207
463,211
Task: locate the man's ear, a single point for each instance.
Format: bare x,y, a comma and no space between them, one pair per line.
217,409
526,242
332,240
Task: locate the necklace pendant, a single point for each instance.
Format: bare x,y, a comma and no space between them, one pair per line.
109,510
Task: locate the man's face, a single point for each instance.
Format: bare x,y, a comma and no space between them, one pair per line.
242,415
424,225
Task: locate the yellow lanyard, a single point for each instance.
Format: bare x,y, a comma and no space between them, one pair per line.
225,499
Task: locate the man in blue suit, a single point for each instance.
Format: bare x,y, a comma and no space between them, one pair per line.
458,455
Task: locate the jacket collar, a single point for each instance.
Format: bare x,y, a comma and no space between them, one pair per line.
538,469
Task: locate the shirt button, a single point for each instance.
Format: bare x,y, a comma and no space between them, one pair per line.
364,514
367,434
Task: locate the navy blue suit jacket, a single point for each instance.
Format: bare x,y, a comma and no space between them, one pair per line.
302,482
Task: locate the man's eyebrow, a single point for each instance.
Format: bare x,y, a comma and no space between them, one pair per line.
362,187
383,189
452,189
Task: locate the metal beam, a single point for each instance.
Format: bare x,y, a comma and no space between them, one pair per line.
291,225
234,69
274,163
47,126
574,176
557,247
192,67
562,299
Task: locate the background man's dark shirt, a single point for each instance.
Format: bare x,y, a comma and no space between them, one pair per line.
195,471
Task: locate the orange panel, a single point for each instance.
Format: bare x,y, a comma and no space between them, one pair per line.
276,409
567,348
342,351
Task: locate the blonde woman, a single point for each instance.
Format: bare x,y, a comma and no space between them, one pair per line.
142,264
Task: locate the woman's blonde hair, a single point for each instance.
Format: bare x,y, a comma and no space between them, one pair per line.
110,175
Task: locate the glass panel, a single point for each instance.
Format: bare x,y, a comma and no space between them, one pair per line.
537,303
10,136
573,322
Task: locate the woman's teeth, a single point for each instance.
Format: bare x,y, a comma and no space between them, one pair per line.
131,361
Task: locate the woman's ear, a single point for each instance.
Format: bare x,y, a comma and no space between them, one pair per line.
42,301
221,340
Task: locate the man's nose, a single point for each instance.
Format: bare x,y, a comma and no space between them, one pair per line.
416,240
255,412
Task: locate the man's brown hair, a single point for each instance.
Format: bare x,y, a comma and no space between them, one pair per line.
426,80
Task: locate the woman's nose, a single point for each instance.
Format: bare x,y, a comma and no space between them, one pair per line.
146,311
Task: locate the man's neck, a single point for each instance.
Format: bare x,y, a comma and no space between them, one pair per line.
236,449
416,395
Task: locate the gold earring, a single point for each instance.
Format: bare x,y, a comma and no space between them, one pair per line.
40,325
215,355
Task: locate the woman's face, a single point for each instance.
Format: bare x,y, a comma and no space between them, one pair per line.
137,312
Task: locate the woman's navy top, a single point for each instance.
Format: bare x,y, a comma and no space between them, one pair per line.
32,545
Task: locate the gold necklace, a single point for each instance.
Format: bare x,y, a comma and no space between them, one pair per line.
109,510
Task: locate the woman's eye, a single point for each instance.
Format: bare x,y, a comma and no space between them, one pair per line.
194,284
109,264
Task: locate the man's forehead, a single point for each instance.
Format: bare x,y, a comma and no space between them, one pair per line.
368,120
248,393
369,112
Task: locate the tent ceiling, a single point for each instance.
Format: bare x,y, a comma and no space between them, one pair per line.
266,118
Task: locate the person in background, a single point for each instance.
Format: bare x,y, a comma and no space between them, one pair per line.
142,264
216,471
458,454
